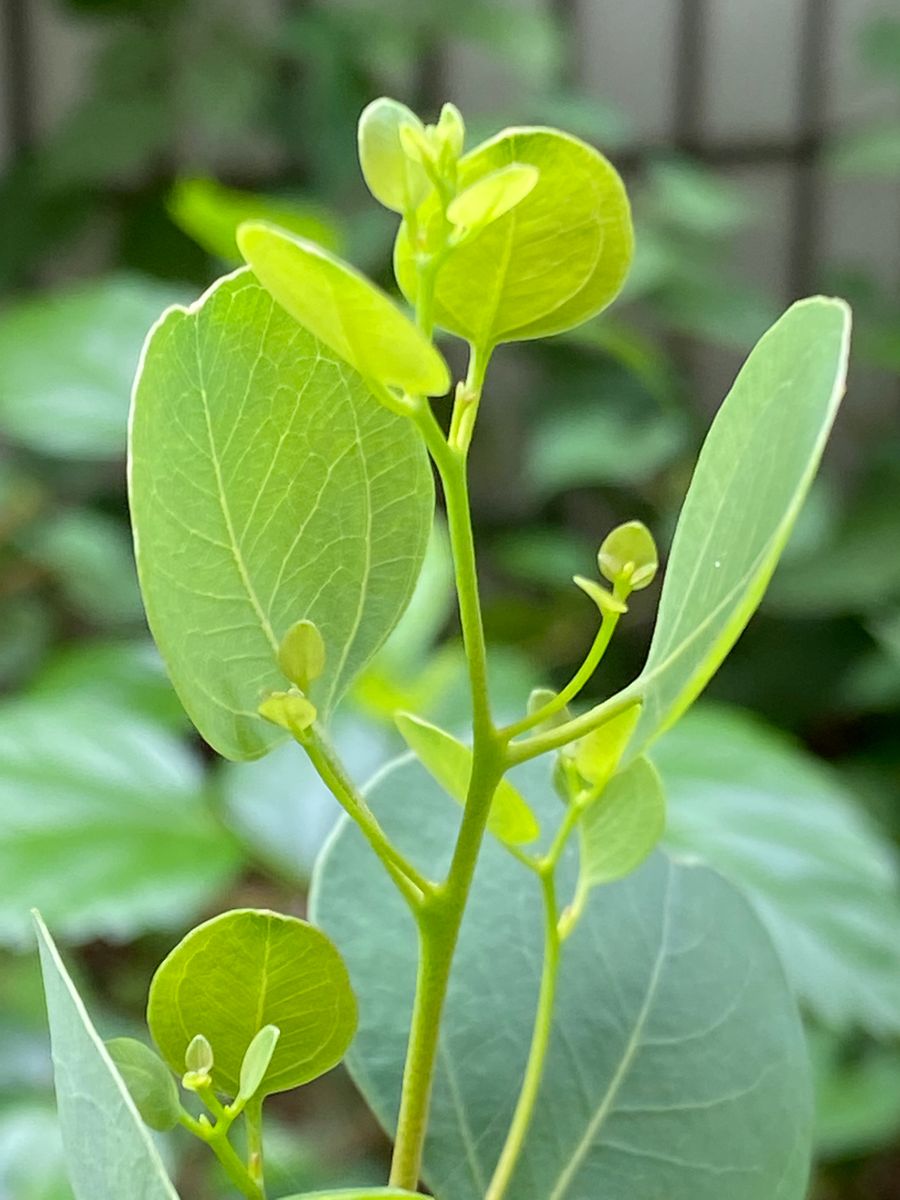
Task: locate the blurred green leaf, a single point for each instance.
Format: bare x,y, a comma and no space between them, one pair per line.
89,556
31,1152
870,152
210,213
243,970
27,625
128,675
66,364
821,876
695,198
103,823
150,1082
857,1096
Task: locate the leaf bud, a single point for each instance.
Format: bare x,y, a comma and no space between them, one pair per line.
301,655
628,556
256,1061
394,177
290,710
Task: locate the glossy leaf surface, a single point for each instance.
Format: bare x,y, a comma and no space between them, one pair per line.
554,260
242,971
110,1152
677,1066
103,823
752,476
267,486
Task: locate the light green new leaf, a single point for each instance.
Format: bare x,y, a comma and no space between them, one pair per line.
342,308
677,1066
150,1082
104,823
267,486
66,364
492,196
210,213
620,829
553,261
450,762
752,476
110,1153
597,754
392,176
242,971
781,826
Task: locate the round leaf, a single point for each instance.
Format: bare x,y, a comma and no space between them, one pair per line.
392,176
620,829
553,261
343,309
677,1066
150,1082
241,971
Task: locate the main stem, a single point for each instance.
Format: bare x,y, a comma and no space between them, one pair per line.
441,914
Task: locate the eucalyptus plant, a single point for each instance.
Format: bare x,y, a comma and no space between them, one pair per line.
536,1002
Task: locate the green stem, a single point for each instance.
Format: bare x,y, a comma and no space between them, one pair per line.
255,1164
413,885
540,1043
576,683
570,731
216,1137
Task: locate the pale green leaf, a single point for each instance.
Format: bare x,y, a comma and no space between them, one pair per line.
104,823
301,655
552,262
492,196
821,876
621,829
267,486
257,1061
66,364
753,473
241,971
391,175
109,1151
210,213
356,1194
677,1066
342,308
450,762
150,1082
597,754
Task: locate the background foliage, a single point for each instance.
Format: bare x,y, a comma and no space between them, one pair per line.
125,830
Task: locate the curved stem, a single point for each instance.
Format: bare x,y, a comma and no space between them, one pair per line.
413,885
540,1043
216,1137
562,735
575,684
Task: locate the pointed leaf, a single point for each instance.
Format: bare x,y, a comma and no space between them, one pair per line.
554,260
267,486
752,476
342,308
450,762
241,971
621,829
109,1150
677,1065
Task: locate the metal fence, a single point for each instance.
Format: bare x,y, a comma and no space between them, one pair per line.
753,87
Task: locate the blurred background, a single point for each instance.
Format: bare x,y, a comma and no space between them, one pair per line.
761,144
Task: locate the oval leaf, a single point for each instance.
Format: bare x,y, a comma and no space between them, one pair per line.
391,175
677,1064
267,486
550,263
780,825
109,1151
150,1082
450,762
342,308
752,476
257,1061
241,971
621,829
